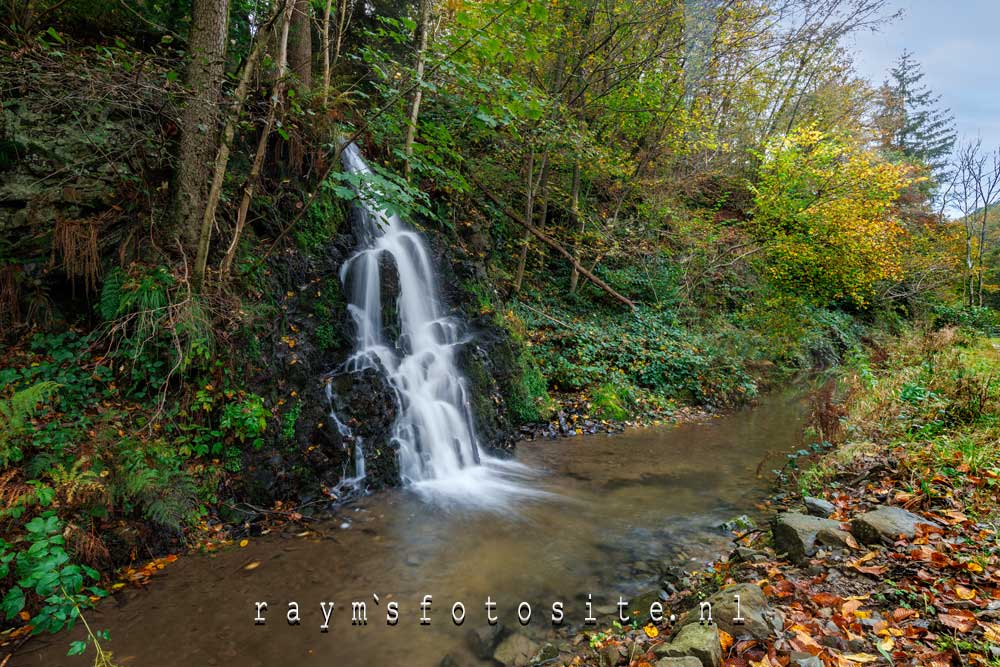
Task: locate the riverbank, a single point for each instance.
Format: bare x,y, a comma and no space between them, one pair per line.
885,551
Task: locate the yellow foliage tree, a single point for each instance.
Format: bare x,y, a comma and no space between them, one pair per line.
824,207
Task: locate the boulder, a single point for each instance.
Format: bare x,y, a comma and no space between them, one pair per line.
886,524
818,507
482,640
797,535
759,620
696,640
516,651
685,661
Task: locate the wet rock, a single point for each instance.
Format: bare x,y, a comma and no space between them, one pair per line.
483,640
638,606
739,524
609,656
834,537
796,534
742,554
886,524
683,661
547,652
697,640
819,507
759,620
516,651
798,659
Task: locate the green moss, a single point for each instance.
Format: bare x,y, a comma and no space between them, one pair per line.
529,399
320,223
609,402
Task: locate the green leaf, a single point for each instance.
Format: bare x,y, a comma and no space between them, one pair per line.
77,648
13,602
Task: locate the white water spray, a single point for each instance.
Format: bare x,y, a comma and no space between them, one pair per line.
439,453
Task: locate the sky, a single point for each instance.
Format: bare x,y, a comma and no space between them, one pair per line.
957,43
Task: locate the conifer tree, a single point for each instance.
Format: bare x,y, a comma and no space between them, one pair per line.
911,120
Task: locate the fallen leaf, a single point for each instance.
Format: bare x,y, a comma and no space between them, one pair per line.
243,543
964,593
651,631
252,565
725,640
961,623
860,657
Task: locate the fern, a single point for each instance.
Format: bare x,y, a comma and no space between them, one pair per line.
167,496
14,413
111,295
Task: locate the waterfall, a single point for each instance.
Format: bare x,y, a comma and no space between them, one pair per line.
439,453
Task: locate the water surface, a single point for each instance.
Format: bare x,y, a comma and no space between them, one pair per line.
622,508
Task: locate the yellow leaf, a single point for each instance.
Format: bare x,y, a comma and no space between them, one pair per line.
974,567
243,543
651,631
860,657
253,565
964,593
887,644
991,632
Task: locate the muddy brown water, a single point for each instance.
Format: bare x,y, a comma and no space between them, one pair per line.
624,506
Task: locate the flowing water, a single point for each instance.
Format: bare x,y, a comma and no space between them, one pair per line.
620,508
439,453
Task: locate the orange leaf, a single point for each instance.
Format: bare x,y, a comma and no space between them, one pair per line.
957,622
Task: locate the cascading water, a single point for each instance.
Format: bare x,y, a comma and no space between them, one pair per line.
439,454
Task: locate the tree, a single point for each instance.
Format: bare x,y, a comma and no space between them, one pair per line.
199,130
824,210
423,30
977,192
911,120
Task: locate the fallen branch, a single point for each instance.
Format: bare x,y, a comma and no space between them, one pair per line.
551,243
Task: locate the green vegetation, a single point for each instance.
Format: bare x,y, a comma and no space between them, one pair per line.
631,213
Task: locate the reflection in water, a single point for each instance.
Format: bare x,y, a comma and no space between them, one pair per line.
622,508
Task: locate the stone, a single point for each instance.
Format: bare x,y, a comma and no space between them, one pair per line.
696,640
818,506
610,656
516,651
683,661
796,534
886,524
798,659
483,639
759,620
548,651
638,606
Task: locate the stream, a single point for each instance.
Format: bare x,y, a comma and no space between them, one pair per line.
619,511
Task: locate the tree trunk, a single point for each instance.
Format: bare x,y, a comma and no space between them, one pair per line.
300,45
529,215
574,276
326,52
225,146
258,161
199,119
423,28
